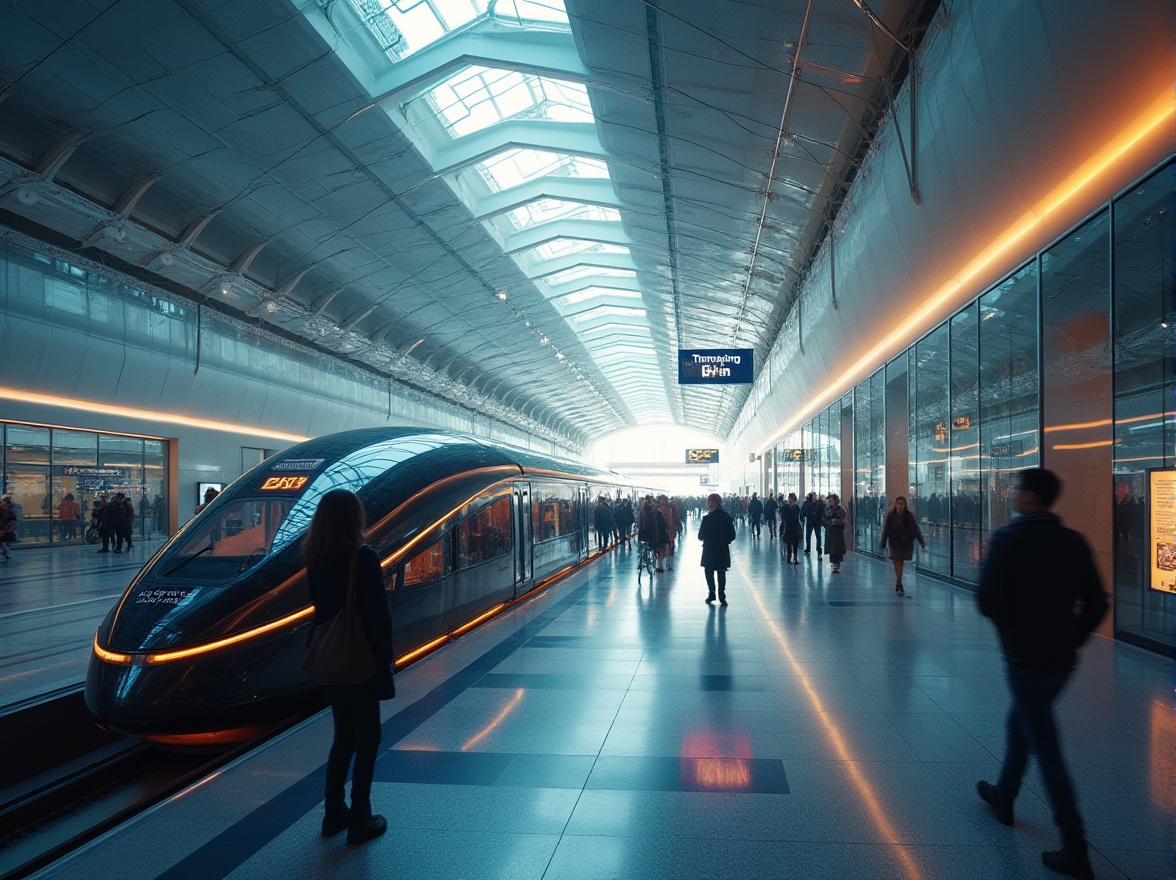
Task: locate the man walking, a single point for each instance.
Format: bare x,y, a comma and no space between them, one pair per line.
1041,589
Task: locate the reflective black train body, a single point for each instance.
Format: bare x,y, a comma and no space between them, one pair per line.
204,646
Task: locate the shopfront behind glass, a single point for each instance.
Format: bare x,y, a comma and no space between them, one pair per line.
56,476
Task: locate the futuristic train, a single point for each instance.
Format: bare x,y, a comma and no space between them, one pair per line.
204,645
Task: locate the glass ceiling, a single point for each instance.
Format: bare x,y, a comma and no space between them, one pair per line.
478,97
548,210
402,27
610,322
515,167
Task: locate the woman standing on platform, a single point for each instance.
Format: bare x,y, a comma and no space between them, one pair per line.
900,531
716,532
335,554
790,532
835,521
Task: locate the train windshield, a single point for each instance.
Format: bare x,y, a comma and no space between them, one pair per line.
229,540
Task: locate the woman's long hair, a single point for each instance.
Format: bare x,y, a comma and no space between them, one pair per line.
336,530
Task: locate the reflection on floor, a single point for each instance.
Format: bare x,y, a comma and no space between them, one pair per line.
818,727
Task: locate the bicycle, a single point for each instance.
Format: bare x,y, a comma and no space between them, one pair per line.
646,558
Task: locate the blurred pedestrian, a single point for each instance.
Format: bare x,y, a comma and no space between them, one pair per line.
836,519
790,533
7,525
1041,588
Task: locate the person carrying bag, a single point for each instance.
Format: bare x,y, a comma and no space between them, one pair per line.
350,653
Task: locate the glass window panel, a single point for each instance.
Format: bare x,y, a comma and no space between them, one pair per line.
403,27
929,448
429,564
518,166
485,535
479,97
1009,392
550,210
964,436
1076,381
553,510
1145,376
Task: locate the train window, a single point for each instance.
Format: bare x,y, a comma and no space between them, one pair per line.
229,541
429,564
485,535
553,510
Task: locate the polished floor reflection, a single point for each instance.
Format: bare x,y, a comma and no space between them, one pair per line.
817,727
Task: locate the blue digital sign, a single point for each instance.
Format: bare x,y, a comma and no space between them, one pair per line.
715,366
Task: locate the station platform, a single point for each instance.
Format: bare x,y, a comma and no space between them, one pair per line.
818,727
51,602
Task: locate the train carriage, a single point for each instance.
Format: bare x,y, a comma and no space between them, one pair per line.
204,645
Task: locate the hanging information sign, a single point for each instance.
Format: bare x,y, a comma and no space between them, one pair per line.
715,366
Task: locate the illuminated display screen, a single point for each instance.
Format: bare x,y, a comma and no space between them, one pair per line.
283,484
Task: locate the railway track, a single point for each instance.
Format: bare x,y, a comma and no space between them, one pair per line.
67,780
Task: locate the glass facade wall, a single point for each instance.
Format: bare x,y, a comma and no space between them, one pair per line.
45,469
1144,344
1020,378
869,459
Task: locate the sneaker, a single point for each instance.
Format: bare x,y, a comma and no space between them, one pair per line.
335,822
366,830
988,793
1068,862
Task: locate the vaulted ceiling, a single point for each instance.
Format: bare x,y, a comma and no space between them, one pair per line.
522,206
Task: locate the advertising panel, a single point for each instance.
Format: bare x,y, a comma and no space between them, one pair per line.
702,456
715,366
1162,528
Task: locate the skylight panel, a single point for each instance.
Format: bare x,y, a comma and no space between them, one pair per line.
518,166
549,210
606,312
562,247
403,27
479,97
585,270
591,293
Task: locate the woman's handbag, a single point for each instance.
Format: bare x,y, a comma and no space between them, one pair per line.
338,652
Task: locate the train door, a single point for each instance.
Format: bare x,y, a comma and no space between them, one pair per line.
585,509
525,538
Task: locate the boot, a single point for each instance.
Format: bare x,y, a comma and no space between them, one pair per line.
1069,860
364,826
336,820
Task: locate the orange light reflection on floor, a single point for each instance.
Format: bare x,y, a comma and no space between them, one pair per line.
498,719
717,760
865,790
1163,756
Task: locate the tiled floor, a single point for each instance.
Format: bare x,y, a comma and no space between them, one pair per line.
818,727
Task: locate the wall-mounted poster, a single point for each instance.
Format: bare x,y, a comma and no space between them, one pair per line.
1162,528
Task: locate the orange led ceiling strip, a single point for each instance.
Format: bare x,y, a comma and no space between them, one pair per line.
127,412
1158,112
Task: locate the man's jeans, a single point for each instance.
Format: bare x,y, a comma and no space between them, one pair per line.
1031,728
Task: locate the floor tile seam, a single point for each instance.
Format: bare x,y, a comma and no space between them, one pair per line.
588,776
237,844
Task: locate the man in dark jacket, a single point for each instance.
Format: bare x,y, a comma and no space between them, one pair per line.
813,514
755,510
716,531
770,513
1042,590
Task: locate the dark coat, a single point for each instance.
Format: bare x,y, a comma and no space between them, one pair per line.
770,507
716,532
7,523
1040,587
602,518
328,592
835,522
755,509
790,531
900,533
